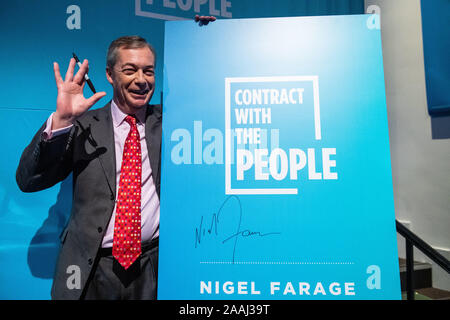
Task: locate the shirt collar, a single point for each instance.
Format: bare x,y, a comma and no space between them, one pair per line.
118,116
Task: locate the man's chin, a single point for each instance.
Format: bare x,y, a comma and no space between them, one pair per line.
138,103
140,100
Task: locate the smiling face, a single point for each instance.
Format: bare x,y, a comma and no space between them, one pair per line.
132,78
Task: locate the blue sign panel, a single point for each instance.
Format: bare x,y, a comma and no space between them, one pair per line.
436,46
276,176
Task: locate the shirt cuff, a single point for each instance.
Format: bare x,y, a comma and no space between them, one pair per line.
48,133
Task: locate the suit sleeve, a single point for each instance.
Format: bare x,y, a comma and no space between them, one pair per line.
48,133
45,162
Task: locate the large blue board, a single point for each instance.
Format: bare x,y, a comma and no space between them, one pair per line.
276,175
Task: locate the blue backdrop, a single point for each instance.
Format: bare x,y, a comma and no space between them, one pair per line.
36,33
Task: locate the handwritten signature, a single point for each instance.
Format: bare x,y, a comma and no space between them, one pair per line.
201,231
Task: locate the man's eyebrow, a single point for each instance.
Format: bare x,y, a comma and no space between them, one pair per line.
135,66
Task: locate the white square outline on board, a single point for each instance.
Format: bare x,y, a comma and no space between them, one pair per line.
318,134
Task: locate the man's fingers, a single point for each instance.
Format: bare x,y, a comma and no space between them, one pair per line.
204,20
93,100
79,76
82,85
70,69
58,77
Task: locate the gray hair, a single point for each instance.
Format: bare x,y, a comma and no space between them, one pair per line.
126,42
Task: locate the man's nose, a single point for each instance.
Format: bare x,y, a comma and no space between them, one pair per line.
140,77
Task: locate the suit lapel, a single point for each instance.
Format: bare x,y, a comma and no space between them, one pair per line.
103,134
153,138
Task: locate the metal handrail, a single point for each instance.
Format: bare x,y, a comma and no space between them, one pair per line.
412,240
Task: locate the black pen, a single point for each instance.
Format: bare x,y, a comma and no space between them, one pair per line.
89,82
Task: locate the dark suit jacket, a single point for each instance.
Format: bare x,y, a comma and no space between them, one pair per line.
87,151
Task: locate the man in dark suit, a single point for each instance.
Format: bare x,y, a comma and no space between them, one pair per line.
111,240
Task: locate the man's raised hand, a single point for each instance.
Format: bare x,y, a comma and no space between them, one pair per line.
70,102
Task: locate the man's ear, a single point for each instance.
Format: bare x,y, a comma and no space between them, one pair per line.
109,75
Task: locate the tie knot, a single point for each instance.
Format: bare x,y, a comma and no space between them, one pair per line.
131,120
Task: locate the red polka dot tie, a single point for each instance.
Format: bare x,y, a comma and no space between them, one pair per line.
127,225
